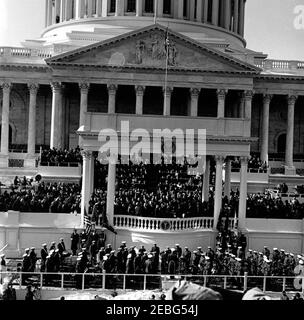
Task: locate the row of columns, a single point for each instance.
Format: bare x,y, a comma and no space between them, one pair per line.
77,9
88,187
291,101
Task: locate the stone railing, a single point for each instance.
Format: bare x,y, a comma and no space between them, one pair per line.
280,65
164,224
24,52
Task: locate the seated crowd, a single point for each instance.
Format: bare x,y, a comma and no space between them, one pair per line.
254,163
59,156
230,257
42,197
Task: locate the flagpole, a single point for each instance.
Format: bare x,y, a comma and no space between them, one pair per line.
166,72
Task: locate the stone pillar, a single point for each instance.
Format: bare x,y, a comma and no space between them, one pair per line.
236,16
31,139
84,92
112,88
227,14
241,17
248,95
56,10
289,167
227,188
194,92
221,96
160,8
218,189
243,193
167,100
111,191
90,8
199,10
86,183
140,91
265,127
50,12
215,12
242,107
98,8
55,121
68,10
139,8
120,8
205,191
6,89
62,10
180,9
205,11
91,172
104,11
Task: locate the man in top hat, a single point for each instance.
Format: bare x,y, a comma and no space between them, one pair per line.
53,246
74,242
61,247
108,248
178,250
43,255
93,252
123,245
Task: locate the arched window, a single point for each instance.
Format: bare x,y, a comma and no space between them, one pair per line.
149,6
131,6
167,7
112,6
281,143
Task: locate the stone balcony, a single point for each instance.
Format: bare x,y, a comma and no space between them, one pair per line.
285,67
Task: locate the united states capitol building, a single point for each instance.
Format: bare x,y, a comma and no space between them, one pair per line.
100,62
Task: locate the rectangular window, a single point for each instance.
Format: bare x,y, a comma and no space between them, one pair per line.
149,6
185,11
131,6
167,7
112,6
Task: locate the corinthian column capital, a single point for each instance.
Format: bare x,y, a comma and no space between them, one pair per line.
33,88
267,98
84,87
6,86
56,86
291,99
221,93
140,90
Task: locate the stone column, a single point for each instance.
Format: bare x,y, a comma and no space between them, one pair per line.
167,100
56,10
90,8
31,139
86,183
227,188
80,9
218,189
91,172
227,14
104,11
6,89
120,8
140,91
236,16
62,10
205,191
241,17
160,8
289,167
180,9
215,12
199,10
139,8
55,121
243,193
111,191
205,11
68,10
50,13
248,95
194,92
265,127
84,93
242,107
112,88
221,96
98,8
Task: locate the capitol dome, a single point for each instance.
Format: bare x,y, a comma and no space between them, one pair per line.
75,23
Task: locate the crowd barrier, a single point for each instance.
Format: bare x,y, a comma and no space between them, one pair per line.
106,281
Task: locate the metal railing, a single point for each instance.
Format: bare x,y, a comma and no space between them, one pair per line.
252,170
110,281
59,164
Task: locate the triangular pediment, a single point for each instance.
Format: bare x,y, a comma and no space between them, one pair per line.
149,48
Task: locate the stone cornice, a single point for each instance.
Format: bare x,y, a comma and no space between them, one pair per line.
25,67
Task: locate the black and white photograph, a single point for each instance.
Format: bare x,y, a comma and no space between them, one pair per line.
151,151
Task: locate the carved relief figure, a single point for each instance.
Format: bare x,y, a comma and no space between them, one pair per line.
140,47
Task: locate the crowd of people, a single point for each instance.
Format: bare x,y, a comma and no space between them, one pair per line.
42,197
254,163
60,156
229,257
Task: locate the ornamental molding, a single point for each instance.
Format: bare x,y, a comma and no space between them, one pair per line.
33,88
84,87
